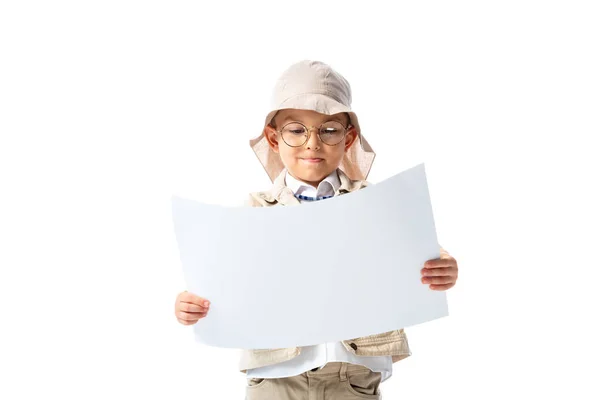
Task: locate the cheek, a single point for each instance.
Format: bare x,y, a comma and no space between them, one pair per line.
287,154
336,153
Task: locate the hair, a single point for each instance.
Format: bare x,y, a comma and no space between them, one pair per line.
272,122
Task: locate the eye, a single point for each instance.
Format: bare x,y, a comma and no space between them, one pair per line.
332,128
293,129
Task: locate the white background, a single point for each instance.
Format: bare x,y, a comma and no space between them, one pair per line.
108,108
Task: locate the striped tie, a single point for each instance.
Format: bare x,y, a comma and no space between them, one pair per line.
299,196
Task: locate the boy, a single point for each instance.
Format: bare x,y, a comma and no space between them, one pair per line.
312,149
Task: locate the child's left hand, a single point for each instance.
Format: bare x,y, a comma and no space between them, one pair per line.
440,273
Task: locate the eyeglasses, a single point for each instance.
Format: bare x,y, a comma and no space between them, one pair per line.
296,134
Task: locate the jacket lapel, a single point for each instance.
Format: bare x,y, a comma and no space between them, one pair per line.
281,193
348,185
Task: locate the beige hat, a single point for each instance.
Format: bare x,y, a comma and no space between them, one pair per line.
313,85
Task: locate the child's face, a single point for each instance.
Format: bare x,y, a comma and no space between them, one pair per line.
312,161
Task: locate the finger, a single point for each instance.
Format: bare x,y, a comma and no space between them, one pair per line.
186,322
440,263
191,321
446,271
183,322
190,307
190,316
192,298
438,280
441,287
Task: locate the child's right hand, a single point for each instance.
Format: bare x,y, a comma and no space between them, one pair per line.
189,308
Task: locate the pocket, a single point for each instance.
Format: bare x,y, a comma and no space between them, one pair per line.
255,383
258,389
364,385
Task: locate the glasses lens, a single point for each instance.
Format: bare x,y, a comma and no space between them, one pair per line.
332,132
294,134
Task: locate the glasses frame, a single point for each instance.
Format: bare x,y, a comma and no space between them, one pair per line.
309,129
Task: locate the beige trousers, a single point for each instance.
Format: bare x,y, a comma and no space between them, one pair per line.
336,381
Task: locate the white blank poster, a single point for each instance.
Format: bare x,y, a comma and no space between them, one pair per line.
331,270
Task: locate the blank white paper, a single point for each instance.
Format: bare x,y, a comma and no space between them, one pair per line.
325,271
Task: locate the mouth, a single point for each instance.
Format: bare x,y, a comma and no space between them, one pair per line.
312,160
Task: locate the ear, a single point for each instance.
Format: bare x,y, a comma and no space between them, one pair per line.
351,137
272,139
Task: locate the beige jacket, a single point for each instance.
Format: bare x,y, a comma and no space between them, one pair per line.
393,343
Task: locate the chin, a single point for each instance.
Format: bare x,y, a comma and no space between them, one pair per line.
311,175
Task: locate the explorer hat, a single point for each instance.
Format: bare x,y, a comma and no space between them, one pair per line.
314,85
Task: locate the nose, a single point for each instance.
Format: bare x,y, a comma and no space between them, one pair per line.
313,138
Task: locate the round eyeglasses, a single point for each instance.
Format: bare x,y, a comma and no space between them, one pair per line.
296,134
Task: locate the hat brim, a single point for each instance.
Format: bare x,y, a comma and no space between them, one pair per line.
357,161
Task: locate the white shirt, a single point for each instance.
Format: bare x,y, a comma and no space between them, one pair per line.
311,357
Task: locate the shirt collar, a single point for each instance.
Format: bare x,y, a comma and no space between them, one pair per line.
280,193
327,187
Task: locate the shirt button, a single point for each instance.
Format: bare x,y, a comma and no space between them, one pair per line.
353,345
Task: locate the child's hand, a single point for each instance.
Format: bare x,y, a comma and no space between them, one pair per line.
189,308
440,273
